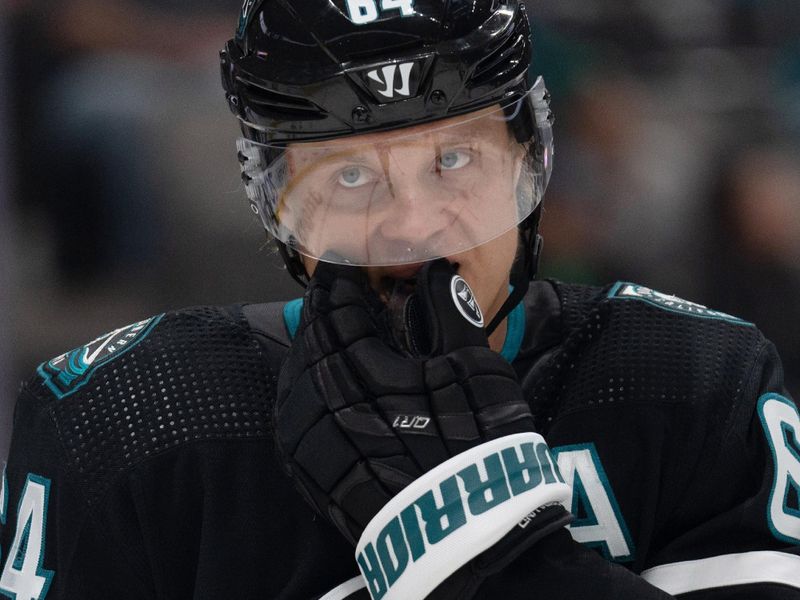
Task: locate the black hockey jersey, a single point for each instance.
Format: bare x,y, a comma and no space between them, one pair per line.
142,464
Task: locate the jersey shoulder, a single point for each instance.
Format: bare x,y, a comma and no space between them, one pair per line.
626,343
193,374
642,309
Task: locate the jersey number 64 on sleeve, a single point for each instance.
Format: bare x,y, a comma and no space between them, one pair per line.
23,577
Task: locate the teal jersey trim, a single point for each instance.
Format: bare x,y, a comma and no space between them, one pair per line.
785,466
291,316
76,371
515,333
4,498
588,516
624,290
17,561
582,508
511,346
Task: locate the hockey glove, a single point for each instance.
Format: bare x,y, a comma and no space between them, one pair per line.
430,460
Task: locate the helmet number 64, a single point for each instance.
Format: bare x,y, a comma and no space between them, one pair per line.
366,11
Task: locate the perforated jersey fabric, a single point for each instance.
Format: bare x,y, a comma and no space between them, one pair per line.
160,479
202,376
624,351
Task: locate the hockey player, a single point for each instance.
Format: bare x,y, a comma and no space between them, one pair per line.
385,435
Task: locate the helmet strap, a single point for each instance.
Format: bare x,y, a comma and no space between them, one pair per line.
524,269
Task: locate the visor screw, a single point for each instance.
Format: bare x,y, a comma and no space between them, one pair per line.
233,103
438,97
360,114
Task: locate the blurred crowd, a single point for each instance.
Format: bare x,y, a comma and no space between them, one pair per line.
677,164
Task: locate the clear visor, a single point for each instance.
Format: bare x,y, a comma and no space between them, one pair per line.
404,196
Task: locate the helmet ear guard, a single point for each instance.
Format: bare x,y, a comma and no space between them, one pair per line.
294,263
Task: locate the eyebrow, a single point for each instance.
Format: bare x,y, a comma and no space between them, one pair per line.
320,155
344,157
459,138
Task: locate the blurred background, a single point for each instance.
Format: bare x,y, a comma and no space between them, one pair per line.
677,165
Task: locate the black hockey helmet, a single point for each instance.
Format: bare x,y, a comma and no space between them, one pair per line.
317,70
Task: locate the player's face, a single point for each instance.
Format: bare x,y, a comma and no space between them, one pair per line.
404,197
441,189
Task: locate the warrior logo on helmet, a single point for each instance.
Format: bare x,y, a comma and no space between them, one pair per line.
393,82
387,77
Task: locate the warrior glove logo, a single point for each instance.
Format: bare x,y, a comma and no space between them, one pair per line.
454,512
465,301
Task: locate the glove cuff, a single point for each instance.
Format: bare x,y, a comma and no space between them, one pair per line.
454,512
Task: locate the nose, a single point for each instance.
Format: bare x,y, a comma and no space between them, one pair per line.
414,212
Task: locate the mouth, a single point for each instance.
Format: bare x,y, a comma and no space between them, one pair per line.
396,288
400,272
397,280
388,281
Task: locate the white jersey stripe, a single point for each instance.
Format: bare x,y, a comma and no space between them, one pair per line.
689,576
726,571
348,587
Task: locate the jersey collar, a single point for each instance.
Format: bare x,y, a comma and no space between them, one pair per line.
514,333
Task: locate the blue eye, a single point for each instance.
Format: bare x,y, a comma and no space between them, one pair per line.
454,159
353,177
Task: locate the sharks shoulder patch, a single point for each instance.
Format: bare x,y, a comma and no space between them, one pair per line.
66,373
631,291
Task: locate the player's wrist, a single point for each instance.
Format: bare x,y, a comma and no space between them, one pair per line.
459,510
543,522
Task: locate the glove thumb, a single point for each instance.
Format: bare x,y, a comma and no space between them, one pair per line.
446,312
